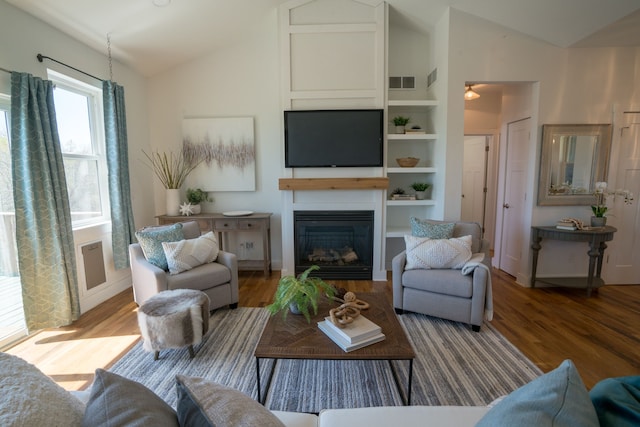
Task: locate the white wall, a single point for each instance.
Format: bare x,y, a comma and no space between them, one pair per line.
23,37
574,86
241,80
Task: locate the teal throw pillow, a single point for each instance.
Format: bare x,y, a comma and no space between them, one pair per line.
430,229
118,401
555,399
617,401
151,239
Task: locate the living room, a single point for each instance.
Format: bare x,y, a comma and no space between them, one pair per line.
241,77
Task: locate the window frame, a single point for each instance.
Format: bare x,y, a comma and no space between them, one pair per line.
98,141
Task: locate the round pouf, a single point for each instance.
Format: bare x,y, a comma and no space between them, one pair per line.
174,319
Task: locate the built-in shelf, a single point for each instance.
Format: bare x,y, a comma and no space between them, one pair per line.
412,103
397,231
412,136
418,169
411,202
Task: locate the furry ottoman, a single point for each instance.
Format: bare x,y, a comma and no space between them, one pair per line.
174,319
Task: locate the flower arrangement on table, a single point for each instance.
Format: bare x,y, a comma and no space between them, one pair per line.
601,193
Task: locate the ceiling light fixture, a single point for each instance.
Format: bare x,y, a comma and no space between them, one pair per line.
469,94
161,3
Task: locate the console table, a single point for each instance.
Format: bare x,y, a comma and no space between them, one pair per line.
220,224
596,237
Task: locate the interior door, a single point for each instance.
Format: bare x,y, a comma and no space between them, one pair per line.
623,255
518,136
474,179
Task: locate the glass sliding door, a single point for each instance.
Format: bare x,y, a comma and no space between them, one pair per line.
12,324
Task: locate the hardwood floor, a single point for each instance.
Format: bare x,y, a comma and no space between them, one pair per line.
600,334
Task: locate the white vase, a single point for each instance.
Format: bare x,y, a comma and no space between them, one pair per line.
421,195
173,201
196,209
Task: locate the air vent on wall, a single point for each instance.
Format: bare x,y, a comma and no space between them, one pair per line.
432,77
404,82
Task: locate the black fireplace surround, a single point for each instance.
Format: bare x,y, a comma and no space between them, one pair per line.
339,242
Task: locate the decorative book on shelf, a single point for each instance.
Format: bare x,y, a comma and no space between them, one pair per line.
403,197
360,333
569,224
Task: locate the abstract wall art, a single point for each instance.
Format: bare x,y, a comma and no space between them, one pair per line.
227,147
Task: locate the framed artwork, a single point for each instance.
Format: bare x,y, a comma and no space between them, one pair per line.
227,146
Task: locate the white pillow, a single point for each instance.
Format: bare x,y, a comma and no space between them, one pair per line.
189,253
425,253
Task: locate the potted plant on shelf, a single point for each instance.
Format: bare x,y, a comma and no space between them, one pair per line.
300,294
172,170
195,196
400,122
421,189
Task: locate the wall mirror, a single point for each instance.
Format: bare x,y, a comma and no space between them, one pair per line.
573,159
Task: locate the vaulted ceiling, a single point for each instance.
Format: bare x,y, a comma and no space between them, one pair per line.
152,39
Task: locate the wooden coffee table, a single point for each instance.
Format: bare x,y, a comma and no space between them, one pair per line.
294,338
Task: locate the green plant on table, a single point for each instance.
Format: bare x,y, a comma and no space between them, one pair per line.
197,196
302,291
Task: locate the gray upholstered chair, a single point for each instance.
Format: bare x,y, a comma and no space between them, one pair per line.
218,279
445,293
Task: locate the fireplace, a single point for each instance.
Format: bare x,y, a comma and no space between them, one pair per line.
339,242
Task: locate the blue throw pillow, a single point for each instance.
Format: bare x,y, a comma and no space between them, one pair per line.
430,229
617,401
555,399
151,239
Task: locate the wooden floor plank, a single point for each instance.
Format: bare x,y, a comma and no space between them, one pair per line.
600,334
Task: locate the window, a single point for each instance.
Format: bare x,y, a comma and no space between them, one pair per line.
81,130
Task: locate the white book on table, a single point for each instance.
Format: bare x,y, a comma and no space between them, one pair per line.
361,328
325,327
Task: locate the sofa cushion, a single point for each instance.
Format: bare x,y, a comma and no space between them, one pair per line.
617,401
202,277
189,253
30,398
447,282
151,239
118,401
203,402
425,253
431,229
556,399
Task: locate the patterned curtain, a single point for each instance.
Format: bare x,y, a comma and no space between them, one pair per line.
115,126
44,235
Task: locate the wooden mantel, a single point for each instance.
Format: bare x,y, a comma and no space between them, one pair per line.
380,183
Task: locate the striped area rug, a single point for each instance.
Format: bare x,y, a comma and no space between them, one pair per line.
453,366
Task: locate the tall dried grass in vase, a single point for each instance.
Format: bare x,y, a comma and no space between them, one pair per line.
172,169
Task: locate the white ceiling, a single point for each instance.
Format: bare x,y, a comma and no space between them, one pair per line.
153,39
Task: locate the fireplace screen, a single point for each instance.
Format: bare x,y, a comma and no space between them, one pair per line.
339,242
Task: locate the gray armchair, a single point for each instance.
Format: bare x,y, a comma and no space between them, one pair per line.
446,293
218,279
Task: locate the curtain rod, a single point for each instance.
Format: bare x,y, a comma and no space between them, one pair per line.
5,70
42,57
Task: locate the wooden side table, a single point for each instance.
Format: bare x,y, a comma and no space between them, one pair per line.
596,237
221,224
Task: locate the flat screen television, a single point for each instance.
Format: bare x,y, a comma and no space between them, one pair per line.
333,138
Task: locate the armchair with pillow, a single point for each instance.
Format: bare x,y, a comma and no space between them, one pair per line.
444,272
193,262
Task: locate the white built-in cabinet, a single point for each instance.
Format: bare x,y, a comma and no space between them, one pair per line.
419,145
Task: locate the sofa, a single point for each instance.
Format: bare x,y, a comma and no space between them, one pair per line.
152,272
454,287
558,398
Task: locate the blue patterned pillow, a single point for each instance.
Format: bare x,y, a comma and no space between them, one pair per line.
432,230
151,239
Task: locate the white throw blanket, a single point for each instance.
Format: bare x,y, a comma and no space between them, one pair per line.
468,268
